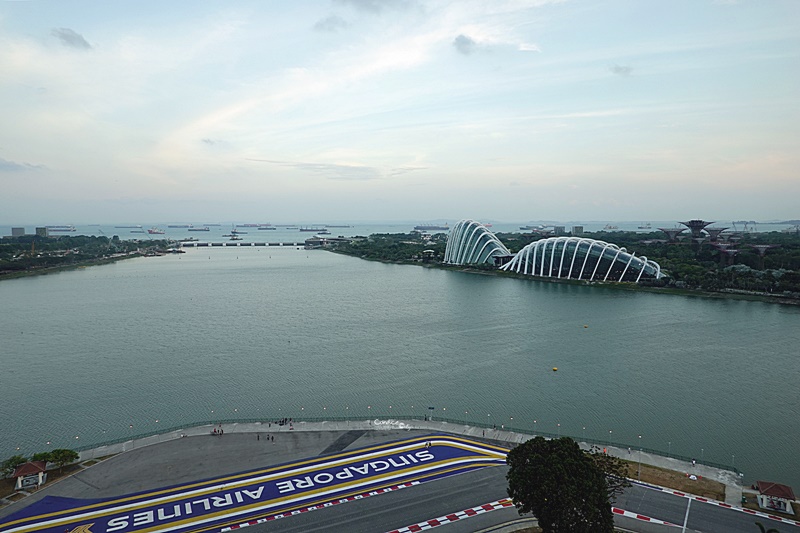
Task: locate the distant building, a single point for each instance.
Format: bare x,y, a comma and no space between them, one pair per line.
559,230
17,232
577,230
42,232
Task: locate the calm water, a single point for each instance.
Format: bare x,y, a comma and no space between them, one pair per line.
227,333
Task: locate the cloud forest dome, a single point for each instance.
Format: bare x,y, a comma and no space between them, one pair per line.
471,243
582,259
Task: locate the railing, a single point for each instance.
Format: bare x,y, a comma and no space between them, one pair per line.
455,422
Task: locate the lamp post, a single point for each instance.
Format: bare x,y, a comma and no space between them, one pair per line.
702,454
559,430
669,448
133,442
639,475
534,428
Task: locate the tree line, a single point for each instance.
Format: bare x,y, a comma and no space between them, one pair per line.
59,457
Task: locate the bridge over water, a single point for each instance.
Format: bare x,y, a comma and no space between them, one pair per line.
237,243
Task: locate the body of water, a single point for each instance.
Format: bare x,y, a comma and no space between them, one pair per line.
266,333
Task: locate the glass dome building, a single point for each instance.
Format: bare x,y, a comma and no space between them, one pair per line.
471,243
582,259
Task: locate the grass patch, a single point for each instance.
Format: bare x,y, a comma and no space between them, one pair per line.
677,480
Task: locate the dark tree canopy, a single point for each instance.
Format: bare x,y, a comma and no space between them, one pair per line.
8,466
565,488
62,457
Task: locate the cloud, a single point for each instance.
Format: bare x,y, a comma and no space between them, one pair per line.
70,38
465,45
375,6
331,24
11,166
528,47
330,170
621,70
399,171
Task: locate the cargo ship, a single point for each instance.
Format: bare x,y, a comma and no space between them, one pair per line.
432,227
61,228
156,231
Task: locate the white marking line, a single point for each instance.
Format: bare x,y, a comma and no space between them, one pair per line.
318,506
718,503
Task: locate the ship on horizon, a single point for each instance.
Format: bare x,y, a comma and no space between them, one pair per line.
432,227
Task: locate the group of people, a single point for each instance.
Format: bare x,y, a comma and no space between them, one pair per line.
269,437
218,431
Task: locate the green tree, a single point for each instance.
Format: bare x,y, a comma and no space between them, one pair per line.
8,466
62,457
41,456
565,488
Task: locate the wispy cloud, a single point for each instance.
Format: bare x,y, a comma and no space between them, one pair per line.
331,24
464,44
621,70
375,6
12,166
331,171
70,38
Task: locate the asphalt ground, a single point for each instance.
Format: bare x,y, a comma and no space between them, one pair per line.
173,460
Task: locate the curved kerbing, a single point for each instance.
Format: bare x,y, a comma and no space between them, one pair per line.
471,243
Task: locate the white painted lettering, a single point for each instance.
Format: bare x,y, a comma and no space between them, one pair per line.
140,519
424,456
300,484
363,470
239,497
176,513
205,502
344,474
395,461
284,486
222,501
255,494
323,477
379,466
115,524
413,459
188,507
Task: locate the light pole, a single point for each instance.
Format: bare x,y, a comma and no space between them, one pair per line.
584,435
669,448
133,442
733,461
534,428
702,454
639,476
559,430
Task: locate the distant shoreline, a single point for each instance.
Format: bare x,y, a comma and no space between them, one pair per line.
755,297
60,268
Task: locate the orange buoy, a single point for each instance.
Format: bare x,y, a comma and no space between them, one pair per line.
555,369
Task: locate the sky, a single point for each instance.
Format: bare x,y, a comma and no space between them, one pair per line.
348,110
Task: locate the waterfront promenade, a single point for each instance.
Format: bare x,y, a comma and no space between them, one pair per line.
189,454
507,437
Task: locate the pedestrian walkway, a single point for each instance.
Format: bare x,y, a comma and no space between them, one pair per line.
733,488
